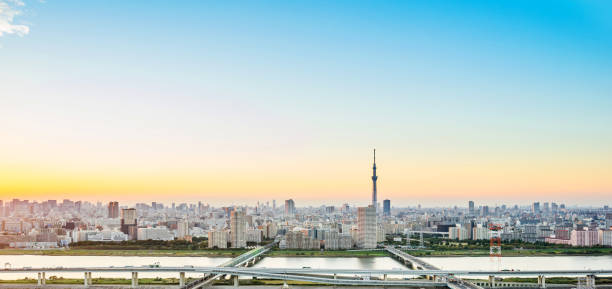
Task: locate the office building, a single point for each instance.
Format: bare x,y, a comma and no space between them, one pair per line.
535,208
387,207
113,210
289,207
471,208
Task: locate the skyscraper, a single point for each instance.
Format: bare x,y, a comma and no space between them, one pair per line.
289,207
471,208
129,223
374,179
366,226
535,208
238,229
113,210
387,207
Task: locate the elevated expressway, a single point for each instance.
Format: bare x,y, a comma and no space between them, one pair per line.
239,266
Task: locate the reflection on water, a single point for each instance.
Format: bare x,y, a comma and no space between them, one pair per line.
18,261
522,263
375,263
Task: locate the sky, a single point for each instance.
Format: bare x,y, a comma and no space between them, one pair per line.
230,102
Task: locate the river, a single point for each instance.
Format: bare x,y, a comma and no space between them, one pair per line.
448,263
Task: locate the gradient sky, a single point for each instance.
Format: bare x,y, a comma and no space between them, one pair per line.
235,101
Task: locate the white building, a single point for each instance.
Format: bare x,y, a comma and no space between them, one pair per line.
218,239
584,238
158,233
98,236
480,232
366,224
182,229
605,238
458,233
254,235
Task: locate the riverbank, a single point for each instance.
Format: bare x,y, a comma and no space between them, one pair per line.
310,253
252,282
142,253
514,252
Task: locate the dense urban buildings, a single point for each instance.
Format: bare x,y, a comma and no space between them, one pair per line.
49,224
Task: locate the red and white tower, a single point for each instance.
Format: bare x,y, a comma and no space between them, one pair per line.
495,241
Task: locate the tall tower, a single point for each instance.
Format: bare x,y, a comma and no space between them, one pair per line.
374,178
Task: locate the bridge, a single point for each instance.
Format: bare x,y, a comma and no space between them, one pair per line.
352,277
414,262
418,264
247,259
240,266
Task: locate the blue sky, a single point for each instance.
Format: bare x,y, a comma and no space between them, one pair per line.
447,91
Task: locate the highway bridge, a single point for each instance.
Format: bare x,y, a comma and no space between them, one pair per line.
401,277
240,266
247,259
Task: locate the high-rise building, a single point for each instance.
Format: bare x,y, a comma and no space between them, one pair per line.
366,225
238,229
129,223
485,211
374,179
535,208
471,208
182,229
387,207
113,210
289,207
217,239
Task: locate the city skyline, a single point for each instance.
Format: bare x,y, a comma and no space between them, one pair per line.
498,102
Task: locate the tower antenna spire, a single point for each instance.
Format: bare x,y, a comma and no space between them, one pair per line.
374,179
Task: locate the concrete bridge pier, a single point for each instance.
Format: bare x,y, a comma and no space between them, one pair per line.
590,281
134,279
542,281
236,281
182,279
41,278
87,279
492,281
